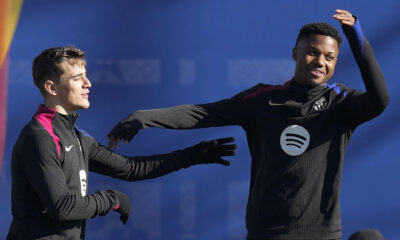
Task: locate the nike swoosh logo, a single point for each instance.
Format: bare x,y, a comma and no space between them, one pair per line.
274,104
68,148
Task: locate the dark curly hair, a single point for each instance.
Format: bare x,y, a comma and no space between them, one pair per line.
46,66
321,29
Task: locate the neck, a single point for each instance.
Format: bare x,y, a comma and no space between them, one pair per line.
58,107
303,84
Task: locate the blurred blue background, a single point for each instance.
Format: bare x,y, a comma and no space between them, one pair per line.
159,53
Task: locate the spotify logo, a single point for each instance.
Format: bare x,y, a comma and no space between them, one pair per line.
295,140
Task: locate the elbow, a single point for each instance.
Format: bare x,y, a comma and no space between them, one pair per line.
384,102
58,215
66,209
381,105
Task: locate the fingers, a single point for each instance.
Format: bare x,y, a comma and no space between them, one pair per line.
113,143
225,140
227,150
344,17
128,138
223,162
116,143
227,147
342,11
112,133
350,23
124,218
227,153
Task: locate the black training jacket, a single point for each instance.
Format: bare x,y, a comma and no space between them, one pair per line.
50,164
297,139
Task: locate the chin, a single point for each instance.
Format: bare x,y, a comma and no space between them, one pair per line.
316,82
86,106
83,106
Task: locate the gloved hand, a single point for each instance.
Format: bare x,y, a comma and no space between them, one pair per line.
124,207
211,151
124,130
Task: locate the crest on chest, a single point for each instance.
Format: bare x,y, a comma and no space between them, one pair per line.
320,104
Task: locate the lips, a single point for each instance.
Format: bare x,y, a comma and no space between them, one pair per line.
317,73
85,95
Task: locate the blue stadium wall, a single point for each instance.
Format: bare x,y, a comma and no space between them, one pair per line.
160,53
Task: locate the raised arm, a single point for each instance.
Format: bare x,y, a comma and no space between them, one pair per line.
363,106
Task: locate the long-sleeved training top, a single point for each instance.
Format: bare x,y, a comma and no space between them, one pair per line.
297,139
50,164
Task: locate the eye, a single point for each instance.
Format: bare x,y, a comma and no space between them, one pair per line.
330,58
312,53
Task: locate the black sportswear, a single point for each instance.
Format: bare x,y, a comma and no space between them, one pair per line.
297,138
50,164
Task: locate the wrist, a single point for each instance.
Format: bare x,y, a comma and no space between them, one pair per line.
117,206
189,156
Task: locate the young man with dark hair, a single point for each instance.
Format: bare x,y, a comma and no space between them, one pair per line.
297,133
52,157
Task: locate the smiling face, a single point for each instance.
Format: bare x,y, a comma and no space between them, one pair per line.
316,58
72,89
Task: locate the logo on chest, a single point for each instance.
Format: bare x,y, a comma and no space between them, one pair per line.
68,148
320,104
295,140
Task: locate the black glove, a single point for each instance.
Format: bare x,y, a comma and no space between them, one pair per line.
211,151
124,207
124,130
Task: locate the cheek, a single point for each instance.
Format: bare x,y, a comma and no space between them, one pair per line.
74,91
331,68
307,60
65,93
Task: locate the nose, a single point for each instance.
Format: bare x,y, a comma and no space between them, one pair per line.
319,60
87,83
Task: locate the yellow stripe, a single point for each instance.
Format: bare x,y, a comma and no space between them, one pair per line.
11,10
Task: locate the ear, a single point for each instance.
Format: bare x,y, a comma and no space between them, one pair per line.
50,88
294,53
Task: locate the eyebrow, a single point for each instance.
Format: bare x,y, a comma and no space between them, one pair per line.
311,47
77,75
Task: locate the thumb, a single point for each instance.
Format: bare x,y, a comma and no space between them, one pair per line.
223,162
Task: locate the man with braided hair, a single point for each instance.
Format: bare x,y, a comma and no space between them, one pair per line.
297,133
52,157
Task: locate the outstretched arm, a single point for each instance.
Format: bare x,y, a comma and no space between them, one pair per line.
363,106
221,113
107,162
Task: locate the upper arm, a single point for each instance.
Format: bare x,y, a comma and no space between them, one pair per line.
359,108
223,113
43,170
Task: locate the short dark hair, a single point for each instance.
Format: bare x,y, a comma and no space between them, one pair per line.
321,29
46,66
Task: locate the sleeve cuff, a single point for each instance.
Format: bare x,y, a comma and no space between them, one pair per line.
116,207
